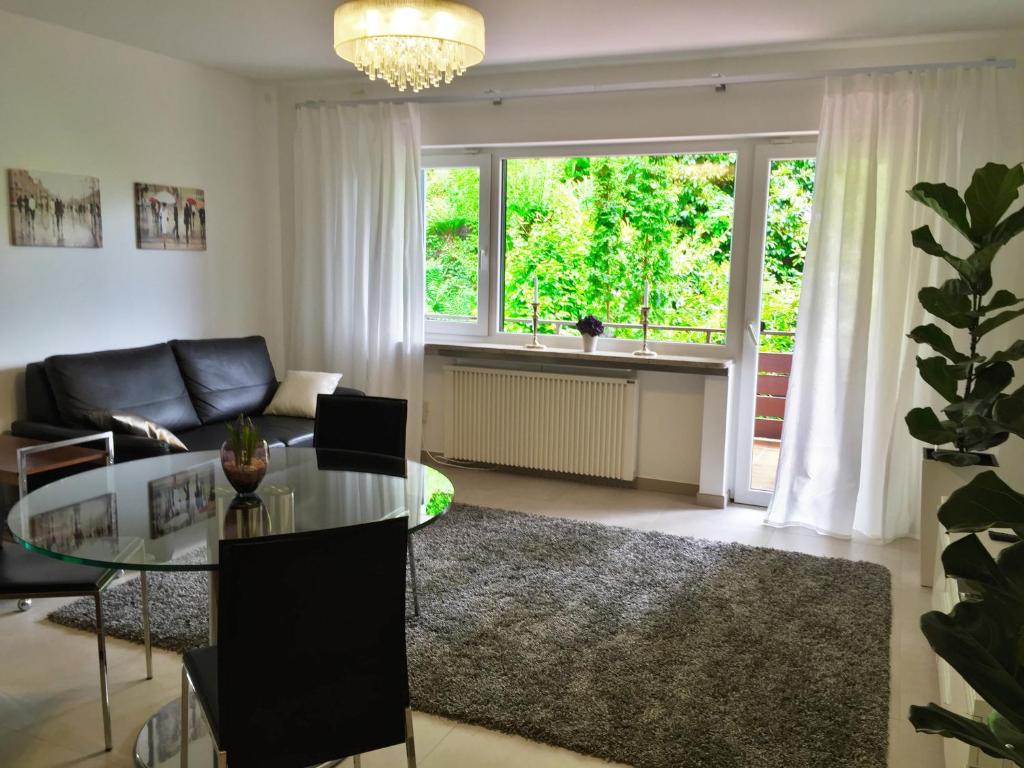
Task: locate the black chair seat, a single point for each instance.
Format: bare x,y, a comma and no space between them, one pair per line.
201,664
28,573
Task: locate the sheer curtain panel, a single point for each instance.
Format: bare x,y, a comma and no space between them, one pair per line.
848,467
357,282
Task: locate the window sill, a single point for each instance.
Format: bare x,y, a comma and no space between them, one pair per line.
703,366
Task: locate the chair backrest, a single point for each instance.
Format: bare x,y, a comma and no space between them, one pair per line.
360,461
361,423
311,644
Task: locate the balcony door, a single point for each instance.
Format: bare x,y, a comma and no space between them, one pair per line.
781,209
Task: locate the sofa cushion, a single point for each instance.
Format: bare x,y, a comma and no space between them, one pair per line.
226,377
143,380
276,430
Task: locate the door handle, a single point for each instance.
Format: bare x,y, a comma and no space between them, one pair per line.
753,330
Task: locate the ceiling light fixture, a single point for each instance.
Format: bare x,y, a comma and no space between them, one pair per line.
409,43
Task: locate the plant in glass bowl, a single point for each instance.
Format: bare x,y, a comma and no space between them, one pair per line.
244,456
590,328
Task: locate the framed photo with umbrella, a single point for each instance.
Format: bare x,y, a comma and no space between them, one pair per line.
170,218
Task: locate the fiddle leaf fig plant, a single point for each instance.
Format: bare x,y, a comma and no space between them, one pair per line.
980,414
982,638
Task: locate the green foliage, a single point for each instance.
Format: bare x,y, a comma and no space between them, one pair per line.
971,383
244,438
452,197
982,638
592,229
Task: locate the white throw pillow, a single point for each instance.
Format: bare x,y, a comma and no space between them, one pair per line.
297,394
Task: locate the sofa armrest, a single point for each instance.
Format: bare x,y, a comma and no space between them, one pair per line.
126,447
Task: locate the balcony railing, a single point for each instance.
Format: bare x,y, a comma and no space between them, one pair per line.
560,324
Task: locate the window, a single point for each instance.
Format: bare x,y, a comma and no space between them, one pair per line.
592,230
455,197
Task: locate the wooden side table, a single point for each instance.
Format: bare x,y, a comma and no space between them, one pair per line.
47,461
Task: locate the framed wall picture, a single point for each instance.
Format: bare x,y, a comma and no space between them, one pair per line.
54,209
170,218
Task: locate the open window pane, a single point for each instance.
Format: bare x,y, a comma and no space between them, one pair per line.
592,229
452,206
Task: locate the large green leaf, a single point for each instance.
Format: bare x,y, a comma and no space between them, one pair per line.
1008,228
971,638
989,325
990,379
966,558
935,719
975,269
946,202
950,302
1014,353
1009,412
1000,300
926,427
940,376
985,502
992,191
937,339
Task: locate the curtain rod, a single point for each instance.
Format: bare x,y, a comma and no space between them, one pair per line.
716,80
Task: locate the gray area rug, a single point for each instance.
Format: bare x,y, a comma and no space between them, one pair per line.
643,648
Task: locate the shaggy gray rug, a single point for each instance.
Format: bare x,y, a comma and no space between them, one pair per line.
643,648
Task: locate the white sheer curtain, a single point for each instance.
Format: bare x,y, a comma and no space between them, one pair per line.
848,467
357,283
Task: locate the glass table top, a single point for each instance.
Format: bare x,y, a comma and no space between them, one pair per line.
170,512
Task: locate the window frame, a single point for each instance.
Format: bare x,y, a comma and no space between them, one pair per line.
742,148
482,162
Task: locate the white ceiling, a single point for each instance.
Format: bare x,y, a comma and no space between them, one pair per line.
292,38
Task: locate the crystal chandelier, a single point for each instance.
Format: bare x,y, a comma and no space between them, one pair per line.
409,43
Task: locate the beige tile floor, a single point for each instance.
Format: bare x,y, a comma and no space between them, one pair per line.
49,711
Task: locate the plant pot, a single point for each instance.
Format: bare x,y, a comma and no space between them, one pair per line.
589,342
939,480
245,477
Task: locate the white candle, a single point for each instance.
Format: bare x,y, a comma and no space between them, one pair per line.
647,292
536,293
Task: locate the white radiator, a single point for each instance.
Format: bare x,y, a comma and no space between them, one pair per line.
581,425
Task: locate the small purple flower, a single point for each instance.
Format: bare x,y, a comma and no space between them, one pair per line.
590,326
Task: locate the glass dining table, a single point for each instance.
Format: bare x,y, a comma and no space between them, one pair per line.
169,513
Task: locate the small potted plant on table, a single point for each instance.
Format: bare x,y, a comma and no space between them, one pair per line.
244,456
590,328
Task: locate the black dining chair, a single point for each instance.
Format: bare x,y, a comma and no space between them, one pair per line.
321,677
366,425
361,423
26,575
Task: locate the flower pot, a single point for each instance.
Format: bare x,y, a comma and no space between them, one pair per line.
939,480
589,342
245,477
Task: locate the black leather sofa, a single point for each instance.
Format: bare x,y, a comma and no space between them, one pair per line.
190,387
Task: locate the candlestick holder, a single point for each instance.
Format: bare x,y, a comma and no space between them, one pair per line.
644,351
534,344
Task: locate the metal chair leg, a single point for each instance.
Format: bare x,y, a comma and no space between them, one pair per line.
144,586
184,717
410,742
101,643
412,578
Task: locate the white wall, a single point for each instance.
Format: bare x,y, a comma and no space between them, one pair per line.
671,406
74,103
